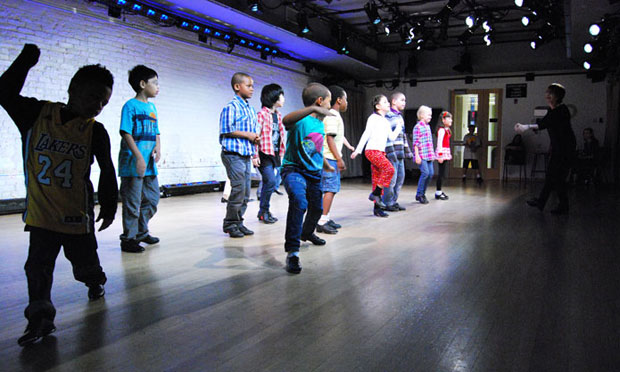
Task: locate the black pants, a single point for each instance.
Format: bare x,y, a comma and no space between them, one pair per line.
441,174
80,250
555,179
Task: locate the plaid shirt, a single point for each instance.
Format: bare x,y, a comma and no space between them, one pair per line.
265,120
238,115
400,144
423,139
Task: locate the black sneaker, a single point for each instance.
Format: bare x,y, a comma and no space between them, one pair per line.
292,265
95,291
150,239
377,199
422,199
313,239
272,217
245,231
326,229
380,213
392,208
36,330
131,246
334,224
234,232
265,217
441,196
400,208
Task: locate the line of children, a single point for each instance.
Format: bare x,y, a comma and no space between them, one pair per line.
332,151
378,131
140,150
60,142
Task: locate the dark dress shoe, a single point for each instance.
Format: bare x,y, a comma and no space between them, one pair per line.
292,265
334,224
234,232
380,213
150,239
36,330
377,200
313,239
266,218
400,208
131,246
392,208
422,199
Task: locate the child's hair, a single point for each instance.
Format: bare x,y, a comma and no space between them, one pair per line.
140,73
91,74
395,95
442,116
337,92
237,78
375,101
422,110
270,95
312,92
557,90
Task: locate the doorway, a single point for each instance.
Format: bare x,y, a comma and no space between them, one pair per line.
481,108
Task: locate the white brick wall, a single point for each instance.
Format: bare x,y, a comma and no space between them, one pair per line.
194,81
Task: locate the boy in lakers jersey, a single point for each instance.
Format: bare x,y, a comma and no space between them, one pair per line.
140,150
60,143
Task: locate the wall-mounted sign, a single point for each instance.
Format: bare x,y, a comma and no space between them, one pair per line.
516,90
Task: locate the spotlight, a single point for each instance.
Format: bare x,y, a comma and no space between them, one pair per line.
372,12
533,44
587,65
386,29
488,39
302,21
525,21
343,44
255,6
470,21
486,25
519,3
588,48
594,29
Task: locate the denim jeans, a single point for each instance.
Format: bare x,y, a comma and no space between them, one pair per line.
268,184
426,174
140,196
390,194
304,193
238,170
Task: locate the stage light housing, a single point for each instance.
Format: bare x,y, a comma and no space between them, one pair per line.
594,29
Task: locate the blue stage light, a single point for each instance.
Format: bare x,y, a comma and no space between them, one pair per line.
226,37
196,28
266,49
163,17
217,33
242,41
184,24
137,7
274,52
150,12
207,30
251,44
121,2
258,46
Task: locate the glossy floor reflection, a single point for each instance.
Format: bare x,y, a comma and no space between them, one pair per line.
477,283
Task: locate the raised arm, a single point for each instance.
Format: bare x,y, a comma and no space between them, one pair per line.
108,187
293,117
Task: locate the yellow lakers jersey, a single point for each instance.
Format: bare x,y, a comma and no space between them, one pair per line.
56,165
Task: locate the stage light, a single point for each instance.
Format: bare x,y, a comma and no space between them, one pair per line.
533,44
302,21
184,24
207,30
470,21
121,2
587,65
255,6
196,28
594,29
488,39
525,21
137,7
150,13
386,29
519,3
163,17
486,26
372,12
588,48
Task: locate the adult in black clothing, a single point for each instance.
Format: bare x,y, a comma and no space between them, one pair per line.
60,143
563,144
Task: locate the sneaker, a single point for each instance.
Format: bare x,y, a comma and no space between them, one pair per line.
265,218
422,199
292,265
36,330
131,246
95,291
380,213
272,217
150,239
392,208
377,199
400,208
234,232
326,229
245,231
334,224
441,196
313,239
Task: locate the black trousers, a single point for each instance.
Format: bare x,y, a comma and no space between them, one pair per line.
556,180
443,167
80,250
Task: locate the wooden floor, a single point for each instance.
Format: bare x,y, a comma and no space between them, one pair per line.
478,283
